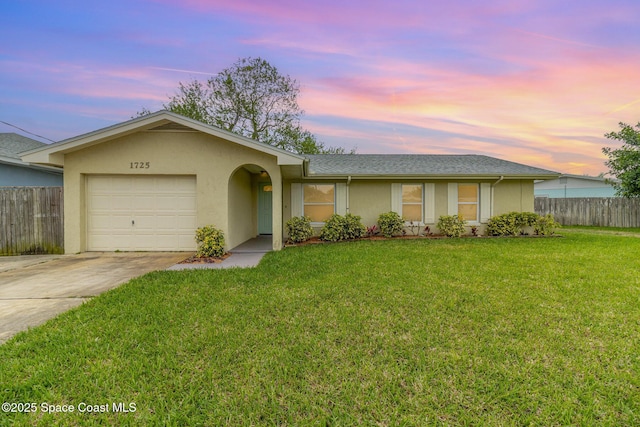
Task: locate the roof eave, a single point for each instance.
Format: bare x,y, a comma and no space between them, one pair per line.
20,163
431,176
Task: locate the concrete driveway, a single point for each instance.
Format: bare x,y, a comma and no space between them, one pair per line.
36,288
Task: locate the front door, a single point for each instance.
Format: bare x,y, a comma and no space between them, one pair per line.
265,208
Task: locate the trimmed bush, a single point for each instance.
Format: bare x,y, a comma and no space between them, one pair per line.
452,225
545,225
353,227
210,242
513,223
527,218
299,229
340,227
503,225
390,224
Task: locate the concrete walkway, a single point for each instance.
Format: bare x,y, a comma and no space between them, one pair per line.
246,255
36,288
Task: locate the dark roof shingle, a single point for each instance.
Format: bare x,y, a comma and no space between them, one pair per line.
418,164
12,144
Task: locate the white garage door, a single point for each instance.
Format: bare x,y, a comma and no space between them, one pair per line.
141,213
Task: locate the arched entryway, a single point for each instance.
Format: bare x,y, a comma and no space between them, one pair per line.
251,207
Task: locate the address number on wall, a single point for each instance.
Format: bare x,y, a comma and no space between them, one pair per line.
140,165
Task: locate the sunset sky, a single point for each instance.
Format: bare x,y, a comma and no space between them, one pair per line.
531,81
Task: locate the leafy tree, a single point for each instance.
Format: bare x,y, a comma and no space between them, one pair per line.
253,99
624,162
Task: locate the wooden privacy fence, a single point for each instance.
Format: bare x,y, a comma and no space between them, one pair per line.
597,211
31,220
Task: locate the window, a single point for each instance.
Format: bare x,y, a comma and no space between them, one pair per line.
412,202
318,201
468,201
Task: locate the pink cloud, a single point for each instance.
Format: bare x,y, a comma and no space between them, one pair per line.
522,78
95,80
548,106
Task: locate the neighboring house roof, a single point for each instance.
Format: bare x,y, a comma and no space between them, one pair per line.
569,179
589,178
12,145
430,165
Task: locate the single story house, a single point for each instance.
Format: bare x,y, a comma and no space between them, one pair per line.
571,186
148,183
16,173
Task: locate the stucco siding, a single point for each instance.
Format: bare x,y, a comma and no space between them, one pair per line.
369,200
513,195
241,208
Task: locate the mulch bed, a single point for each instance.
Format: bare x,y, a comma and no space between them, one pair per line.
194,259
316,240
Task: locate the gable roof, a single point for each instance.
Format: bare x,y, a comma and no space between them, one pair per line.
53,154
423,165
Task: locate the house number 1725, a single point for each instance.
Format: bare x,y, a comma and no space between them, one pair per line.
139,165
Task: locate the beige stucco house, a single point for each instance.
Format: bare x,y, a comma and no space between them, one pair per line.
148,183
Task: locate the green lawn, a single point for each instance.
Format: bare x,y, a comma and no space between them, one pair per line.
504,331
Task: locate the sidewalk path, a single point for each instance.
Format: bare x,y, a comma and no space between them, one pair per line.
246,255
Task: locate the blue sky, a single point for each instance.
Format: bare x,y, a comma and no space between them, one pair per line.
536,82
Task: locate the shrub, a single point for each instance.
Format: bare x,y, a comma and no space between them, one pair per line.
527,218
503,225
299,229
353,227
390,224
210,242
340,227
332,229
452,225
545,225
512,223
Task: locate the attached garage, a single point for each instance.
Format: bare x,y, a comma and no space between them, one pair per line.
141,213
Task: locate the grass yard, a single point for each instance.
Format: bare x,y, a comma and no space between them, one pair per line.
494,332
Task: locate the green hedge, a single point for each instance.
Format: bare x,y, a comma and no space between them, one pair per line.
340,227
210,242
514,223
391,224
452,225
299,229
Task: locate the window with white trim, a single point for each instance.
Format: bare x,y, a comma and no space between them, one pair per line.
318,201
468,202
412,203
